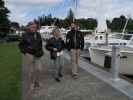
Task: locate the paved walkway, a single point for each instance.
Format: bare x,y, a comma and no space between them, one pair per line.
87,87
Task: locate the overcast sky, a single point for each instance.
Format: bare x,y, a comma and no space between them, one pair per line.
24,11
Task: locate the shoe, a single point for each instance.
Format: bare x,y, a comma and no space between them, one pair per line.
75,76
57,79
36,85
60,75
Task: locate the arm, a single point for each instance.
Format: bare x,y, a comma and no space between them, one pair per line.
40,41
22,44
62,46
49,45
82,41
67,44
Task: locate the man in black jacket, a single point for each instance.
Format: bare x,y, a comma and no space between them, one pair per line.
31,49
74,43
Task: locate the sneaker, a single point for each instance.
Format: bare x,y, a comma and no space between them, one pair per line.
36,85
57,79
60,75
75,76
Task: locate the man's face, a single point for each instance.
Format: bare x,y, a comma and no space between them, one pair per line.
56,34
33,28
73,26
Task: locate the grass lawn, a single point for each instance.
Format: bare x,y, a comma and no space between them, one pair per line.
10,65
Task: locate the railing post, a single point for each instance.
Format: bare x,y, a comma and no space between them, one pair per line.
106,38
115,63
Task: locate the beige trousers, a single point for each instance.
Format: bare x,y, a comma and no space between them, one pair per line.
75,56
34,66
31,67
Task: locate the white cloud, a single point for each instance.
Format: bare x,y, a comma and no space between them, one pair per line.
94,8
87,8
107,8
32,3
20,8
104,9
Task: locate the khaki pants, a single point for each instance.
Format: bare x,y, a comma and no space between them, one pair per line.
75,55
31,67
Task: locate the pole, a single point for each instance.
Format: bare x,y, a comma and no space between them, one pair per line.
74,9
115,63
125,26
106,36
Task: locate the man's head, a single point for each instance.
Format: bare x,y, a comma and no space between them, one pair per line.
32,27
73,26
56,32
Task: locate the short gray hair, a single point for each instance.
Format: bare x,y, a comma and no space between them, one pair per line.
56,30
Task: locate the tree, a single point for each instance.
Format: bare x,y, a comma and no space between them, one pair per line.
70,16
4,21
130,25
89,23
117,23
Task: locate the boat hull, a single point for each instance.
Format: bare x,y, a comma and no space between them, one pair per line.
98,56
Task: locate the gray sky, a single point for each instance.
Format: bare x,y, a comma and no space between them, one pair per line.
24,11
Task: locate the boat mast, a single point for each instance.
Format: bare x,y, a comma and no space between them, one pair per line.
74,6
125,25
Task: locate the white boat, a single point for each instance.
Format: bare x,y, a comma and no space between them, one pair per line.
45,31
99,56
63,33
113,39
88,35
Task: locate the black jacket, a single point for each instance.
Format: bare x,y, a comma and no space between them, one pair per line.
55,43
74,40
31,43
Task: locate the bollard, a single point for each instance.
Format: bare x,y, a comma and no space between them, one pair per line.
115,63
106,38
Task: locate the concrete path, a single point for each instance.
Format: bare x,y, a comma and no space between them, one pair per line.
87,87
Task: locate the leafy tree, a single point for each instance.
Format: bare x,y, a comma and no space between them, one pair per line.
118,23
4,21
130,25
89,23
70,16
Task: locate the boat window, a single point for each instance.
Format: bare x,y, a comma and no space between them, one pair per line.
127,37
113,43
116,36
101,37
96,37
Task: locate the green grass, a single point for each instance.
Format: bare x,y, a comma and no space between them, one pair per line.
10,65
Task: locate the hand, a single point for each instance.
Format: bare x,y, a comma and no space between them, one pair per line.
55,49
82,49
24,53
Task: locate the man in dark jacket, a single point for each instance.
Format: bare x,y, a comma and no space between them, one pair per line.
74,43
31,49
55,46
